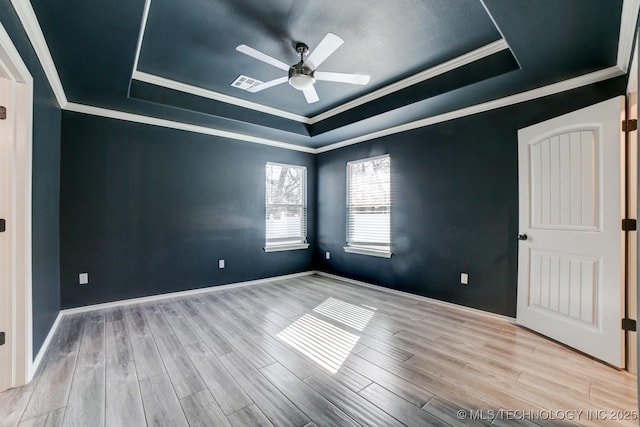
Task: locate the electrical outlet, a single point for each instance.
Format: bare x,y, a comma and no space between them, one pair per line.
327,255
464,278
220,263
83,278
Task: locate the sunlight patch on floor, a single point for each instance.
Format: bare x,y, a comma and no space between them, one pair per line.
343,312
324,343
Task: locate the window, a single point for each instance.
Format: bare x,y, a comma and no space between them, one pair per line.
369,206
286,207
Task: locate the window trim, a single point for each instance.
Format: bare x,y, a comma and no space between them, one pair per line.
288,246
364,249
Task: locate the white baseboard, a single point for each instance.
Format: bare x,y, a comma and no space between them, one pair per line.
159,297
35,364
419,297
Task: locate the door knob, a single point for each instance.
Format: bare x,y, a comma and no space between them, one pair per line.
522,237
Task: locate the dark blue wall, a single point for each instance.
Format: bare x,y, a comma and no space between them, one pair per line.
455,203
147,210
46,185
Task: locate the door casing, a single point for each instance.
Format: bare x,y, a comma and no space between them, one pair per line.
20,111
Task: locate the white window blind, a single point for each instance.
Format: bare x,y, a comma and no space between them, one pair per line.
369,204
286,206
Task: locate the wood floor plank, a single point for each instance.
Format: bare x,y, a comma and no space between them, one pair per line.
352,404
52,389
201,325
12,405
234,335
202,410
123,403
145,353
179,324
249,416
267,397
161,406
399,408
182,373
390,381
51,419
221,384
89,376
318,408
289,358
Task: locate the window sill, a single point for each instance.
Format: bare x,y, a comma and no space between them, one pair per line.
368,251
280,248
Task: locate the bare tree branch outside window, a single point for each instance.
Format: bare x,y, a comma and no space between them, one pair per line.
285,204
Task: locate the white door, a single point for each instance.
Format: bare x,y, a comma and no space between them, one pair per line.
6,309
570,267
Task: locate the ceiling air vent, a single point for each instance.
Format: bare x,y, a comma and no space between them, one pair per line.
244,82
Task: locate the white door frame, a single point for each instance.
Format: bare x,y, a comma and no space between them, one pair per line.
21,112
632,212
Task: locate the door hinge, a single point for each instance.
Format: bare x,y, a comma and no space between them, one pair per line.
629,224
3,112
628,325
2,338
629,125
3,225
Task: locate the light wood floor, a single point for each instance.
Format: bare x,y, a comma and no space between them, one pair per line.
264,355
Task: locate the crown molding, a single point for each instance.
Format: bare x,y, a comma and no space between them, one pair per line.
424,75
143,27
540,92
216,96
137,118
429,73
32,27
627,33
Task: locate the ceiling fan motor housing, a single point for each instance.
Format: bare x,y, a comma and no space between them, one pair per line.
301,76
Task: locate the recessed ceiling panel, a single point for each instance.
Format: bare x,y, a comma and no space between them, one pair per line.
194,42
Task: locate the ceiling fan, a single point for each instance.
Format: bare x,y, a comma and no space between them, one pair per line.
303,75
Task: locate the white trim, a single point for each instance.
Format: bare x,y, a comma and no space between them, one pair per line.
15,68
137,118
160,297
427,74
279,248
419,297
627,33
367,251
45,346
216,96
627,28
143,27
540,92
20,113
31,25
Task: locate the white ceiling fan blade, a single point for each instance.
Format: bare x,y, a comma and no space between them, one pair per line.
262,57
267,85
329,44
311,95
355,79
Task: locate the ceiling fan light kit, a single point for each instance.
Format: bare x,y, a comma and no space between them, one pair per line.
302,76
